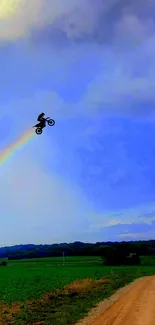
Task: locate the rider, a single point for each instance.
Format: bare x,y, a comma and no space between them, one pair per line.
42,120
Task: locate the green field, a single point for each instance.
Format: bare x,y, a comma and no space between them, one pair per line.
29,280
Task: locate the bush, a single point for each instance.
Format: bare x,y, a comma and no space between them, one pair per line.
3,263
114,256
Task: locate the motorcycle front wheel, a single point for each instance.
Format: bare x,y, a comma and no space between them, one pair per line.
38,131
51,122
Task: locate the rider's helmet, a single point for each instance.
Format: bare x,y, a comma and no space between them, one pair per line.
41,115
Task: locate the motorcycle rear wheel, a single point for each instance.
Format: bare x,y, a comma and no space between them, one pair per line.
38,131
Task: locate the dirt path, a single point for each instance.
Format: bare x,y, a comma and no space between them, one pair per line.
132,305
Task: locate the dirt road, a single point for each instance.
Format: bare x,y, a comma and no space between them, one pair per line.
132,305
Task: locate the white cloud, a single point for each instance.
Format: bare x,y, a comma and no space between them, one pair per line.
137,215
73,17
20,22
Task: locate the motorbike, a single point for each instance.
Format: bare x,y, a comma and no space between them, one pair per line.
39,127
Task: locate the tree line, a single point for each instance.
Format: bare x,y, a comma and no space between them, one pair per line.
105,249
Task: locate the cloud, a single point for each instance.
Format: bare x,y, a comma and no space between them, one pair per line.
73,18
127,88
77,19
100,22
121,232
126,227
125,84
132,29
121,33
142,215
20,22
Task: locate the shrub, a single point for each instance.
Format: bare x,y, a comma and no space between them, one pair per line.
3,263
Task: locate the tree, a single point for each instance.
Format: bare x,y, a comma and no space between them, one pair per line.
116,256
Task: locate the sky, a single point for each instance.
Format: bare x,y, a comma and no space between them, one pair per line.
90,66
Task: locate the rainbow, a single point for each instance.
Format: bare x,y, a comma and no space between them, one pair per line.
6,153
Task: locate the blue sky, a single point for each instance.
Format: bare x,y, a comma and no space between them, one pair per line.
89,65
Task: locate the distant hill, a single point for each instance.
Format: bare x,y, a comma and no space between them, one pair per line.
77,248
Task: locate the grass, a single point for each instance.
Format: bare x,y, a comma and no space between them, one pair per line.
46,291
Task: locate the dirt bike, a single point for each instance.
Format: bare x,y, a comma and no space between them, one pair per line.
40,126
